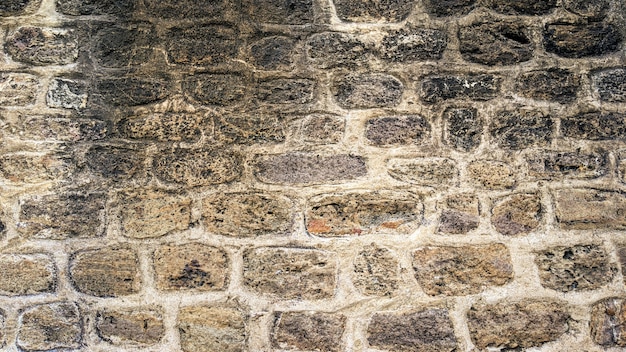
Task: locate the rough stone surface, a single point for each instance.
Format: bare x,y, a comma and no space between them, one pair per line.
247,214
365,91
426,172
254,128
296,12
491,174
514,7
435,89
581,40
167,127
397,130
460,214
608,322
463,128
421,331
522,128
27,274
43,46
212,329
116,163
18,89
610,84
554,84
517,214
286,91
201,45
374,10
354,214
310,331
124,45
577,268
131,91
191,266
290,273
595,126
48,327
413,44
95,7
188,9
593,10
462,270
517,325
376,271
323,128
105,272
579,165
215,89
495,43
442,8
58,129
198,167
333,49
136,327
25,168
305,168
581,209
273,53
17,7
67,94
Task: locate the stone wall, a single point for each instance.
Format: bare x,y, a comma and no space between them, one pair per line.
308,175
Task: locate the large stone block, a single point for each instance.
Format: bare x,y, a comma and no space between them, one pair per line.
585,209
365,91
131,90
514,7
491,174
116,163
595,126
578,164
27,168
18,7
43,46
496,43
198,167
517,214
374,10
57,129
215,89
50,327
397,130
124,45
215,10
290,12
192,266
18,89
201,45
554,84
442,8
273,53
105,272
608,322
522,128
310,331
96,7
286,91
435,89
436,172
249,128
27,274
413,44
579,40
335,49
376,271
212,329
165,127
67,94
463,128
460,214
610,84
135,327
323,128
306,168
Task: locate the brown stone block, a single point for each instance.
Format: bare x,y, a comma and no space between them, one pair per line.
491,174
374,10
201,44
49,327
517,214
376,271
595,126
460,214
323,128
192,266
106,272
436,172
553,84
578,164
397,130
515,7
130,327
25,168
366,91
335,49
116,163
43,46
198,167
150,213
167,127
310,331
521,128
292,12
496,43
579,40
608,322
273,53
18,89
583,209
212,329
463,128
57,129
27,274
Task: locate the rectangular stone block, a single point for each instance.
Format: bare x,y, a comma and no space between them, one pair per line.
274,53
135,327
553,84
397,130
517,214
595,126
610,84
579,164
323,128
286,91
124,45
521,128
201,167
96,7
374,11
376,271
367,91
294,12
137,90
308,331
167,127
216,89
408,45
585,209
189,9
43,46
608,322
55,129
247,129
34,168
580,40
105,272
27,274
495,42
212,329
460,214
50,327
491,174
201,45
463,128
116,163
18,89
436,172
67,94
434,89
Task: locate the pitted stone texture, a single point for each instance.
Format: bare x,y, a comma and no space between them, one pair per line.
131,90
608,322
215,89
460,214
579,40
553,84
247,214
517,325
413,44
514,7
610,84
202,167
43,46
292,12
273,53
442,8
586,209
116,163
397,130
249,128
201,45
578,165
435,89
576,268
95,7
136,327
491,174
26,168
105,272
165,127
27,274
58,129
353,214
593,10
463,128
595,126
517,214
436,172
189,9
62,216
334,49
212,329
374,10
50,327
310,331
290,273
67,94
323,128
428,330
153,213
521,128
376,271
17,7
457,271
192,266
495,43
124,45
307,168
366,91
18,89
286,91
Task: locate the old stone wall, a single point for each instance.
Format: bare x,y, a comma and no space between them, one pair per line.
312,175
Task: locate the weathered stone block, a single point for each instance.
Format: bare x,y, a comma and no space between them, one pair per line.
334,49
305,168
595,126
67,94
62,216
215,89
286,91
290,273
495,43
517,325
376,271
256,128
363,213
188,9
463,128
192,266
273,53
96,7
247,214
578,40
212,329
514,7
581,165
323,128
413,44
105,272
280,11
310,331
28,168
17,7
576,268
582,209
458,271
460,214
18,89
435,89
554,84
50,327
58,129
425,172
608,322
124,45
131,91
491,174
116,163
428,330
201,45
43,46
591,9
27,274
151,213
374,10
139,326
521,128
166,127
442,8
397,130
610,84
365,91
517,214
198,167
